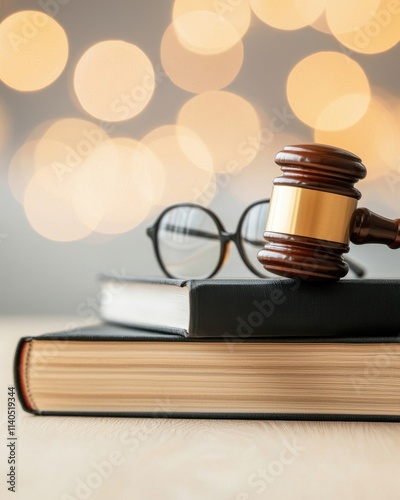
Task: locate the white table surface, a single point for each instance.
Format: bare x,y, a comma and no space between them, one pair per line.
74,458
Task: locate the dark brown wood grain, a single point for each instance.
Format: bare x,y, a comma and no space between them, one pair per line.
306,258
329,169
368,227
320,167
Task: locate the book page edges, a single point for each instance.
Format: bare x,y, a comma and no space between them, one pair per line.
21,377
131,303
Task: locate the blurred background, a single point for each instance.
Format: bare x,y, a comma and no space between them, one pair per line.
110,111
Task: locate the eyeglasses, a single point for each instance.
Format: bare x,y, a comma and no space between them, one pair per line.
190,241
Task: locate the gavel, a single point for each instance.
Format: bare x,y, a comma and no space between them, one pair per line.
313,214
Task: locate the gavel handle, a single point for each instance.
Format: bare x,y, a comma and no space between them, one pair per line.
367,227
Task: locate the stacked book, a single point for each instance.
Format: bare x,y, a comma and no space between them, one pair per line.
223,349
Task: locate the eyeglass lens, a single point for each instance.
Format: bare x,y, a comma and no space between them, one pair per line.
251,235
188,242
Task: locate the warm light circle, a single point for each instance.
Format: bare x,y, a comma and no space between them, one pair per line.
188,165
288,14
33,50
110,190
117,185
37,132
321,24
26,162
205,32
229,126
66,143
328,91
61,145
4,126
255,182
366,26
343,16
374,138
22,169
197,72
114,80
48,206
210,26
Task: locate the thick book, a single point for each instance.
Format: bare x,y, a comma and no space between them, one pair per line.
116,371
246,309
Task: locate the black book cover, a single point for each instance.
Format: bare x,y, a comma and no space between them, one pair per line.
247,309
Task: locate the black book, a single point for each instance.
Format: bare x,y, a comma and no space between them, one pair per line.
245,309
117,371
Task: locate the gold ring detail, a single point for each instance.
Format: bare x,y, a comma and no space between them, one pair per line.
310,213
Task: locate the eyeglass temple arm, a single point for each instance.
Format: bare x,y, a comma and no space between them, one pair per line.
191,232
356,268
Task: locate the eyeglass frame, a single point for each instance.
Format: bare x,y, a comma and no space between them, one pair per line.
225,237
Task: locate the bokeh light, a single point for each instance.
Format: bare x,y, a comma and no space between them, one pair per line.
99,238
344,16
288,14
366,26
37,132
188,165
33,49
117,185
22,169
114,80
374,139
67,142
255,182
328,91
48,206
209,26
321,24
4,126
61,144
229,126
198,72
110,190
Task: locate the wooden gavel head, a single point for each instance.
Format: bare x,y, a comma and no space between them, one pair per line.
313,214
